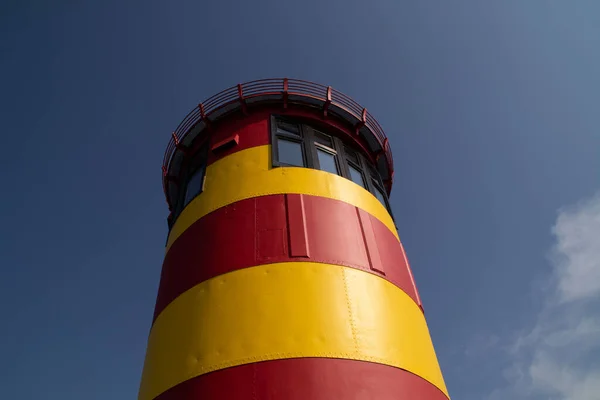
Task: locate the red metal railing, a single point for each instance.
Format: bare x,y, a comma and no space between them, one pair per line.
276,86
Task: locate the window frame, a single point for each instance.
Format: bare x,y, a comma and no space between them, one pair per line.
316,146
275,136
275,148
202,168
376,183
196,161
360,170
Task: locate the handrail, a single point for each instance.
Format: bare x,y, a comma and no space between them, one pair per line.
275,86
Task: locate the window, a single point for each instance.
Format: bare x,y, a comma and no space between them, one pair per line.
323,139
379,194
285,128
290,153
192,182
288,149
377,186
352,155
356,175
327,161
355,172
193,178
300,145
194,185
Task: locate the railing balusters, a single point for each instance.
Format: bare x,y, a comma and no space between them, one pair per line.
269,87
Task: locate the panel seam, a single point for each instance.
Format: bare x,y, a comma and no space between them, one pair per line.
350,313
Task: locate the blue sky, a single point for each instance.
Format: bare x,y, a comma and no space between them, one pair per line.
492,112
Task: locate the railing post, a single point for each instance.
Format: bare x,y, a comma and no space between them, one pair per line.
285,92
241,97
361,123
203,116
202,112
383,150
327,101
178,144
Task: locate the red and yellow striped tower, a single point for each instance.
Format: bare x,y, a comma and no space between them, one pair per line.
284,277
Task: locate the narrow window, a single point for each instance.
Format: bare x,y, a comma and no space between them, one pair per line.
323,139
356,175
325,152
379,194
352,155
194,185
355,172
377,188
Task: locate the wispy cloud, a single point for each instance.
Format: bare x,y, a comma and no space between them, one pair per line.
559,357
577,251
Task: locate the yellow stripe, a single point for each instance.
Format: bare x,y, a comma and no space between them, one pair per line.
287,310
248,173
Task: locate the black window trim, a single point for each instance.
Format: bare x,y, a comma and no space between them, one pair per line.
275,135
350,163
316,146
187,184
196,161
275,149
319,147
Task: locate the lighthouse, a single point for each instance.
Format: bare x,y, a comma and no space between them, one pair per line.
284,277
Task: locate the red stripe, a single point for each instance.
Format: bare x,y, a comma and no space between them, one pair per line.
306,379
255,231
252,131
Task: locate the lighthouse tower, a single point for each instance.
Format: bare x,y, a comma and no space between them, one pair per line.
284,277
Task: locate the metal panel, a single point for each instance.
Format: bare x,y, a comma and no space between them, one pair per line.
257,231
307,379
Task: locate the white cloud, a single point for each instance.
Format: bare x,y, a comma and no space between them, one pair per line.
577,250
559,358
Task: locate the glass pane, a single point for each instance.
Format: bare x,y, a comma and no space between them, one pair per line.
373,172
323,139
380,196
194,186
287,128
290,152
356,176
352,155
327,161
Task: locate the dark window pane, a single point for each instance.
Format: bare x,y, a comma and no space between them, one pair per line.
351,155
327,161
380,196
290,152
287,128
323,139
356,176
374,172
194,186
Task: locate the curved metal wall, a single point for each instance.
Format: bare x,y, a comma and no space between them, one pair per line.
286,283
